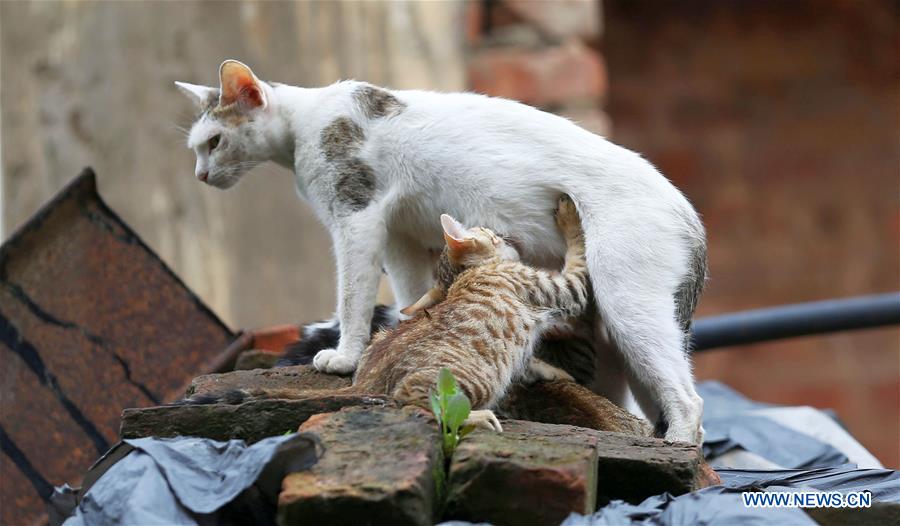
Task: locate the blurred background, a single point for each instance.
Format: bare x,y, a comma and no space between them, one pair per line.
779,120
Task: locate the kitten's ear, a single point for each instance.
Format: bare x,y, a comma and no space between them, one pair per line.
199,94
239,84
457,237
455,234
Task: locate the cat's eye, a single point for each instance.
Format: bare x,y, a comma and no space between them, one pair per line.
214,141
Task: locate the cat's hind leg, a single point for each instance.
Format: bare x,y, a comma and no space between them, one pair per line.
636,271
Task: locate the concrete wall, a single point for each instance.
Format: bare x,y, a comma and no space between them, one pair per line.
90,83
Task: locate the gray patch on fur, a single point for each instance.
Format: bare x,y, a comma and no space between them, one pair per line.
687,295
341,139
355,180
356,184
376,102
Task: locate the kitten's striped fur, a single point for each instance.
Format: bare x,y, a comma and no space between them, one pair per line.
486,328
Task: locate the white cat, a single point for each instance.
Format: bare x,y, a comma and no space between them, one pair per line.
379,167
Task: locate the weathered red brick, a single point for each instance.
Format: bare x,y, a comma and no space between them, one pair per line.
633,468
379,467
298,378
256,359
543,77
529,474
561,19
591,118
251,421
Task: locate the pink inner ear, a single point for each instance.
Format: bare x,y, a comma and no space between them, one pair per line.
453,228
239,85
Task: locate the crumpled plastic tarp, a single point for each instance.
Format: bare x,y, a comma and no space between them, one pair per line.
775,437
723,504
190,480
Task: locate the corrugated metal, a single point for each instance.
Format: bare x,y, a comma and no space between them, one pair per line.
91,322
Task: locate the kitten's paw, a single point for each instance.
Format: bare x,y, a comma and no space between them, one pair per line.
333,362
484,419
540,370
567,216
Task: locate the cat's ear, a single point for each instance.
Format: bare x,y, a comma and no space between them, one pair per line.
457,237
238,84
198,94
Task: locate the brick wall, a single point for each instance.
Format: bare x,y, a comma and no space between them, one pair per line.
779,121
542,53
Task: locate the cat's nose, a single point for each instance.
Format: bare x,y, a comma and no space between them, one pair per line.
203,176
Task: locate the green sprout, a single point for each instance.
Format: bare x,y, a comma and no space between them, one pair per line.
451,408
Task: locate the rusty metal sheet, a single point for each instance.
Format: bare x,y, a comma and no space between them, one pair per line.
91,322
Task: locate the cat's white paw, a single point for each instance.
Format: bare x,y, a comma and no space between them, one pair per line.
484,419
333,362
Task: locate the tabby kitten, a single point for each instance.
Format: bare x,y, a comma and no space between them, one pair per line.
486,328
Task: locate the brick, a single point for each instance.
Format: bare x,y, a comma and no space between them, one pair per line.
297,377
256,359
543,77
379,467
591,119
561,19
275,338
474,22
251,421
492,473
633,468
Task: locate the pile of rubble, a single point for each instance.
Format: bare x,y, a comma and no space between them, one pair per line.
382,463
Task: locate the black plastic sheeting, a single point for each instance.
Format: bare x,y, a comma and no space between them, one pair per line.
194,481
732,421
723,504
729,425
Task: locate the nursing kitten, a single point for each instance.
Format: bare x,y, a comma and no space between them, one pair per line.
485,329
379,166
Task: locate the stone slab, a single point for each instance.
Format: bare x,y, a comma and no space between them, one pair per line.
251,421
531,473
380,466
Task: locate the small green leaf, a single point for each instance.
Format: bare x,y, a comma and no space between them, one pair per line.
466,430
458,409
446,383
436,407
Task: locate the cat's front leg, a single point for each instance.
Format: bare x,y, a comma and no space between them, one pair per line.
359,249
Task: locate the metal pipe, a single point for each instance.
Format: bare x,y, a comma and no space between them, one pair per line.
801,319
